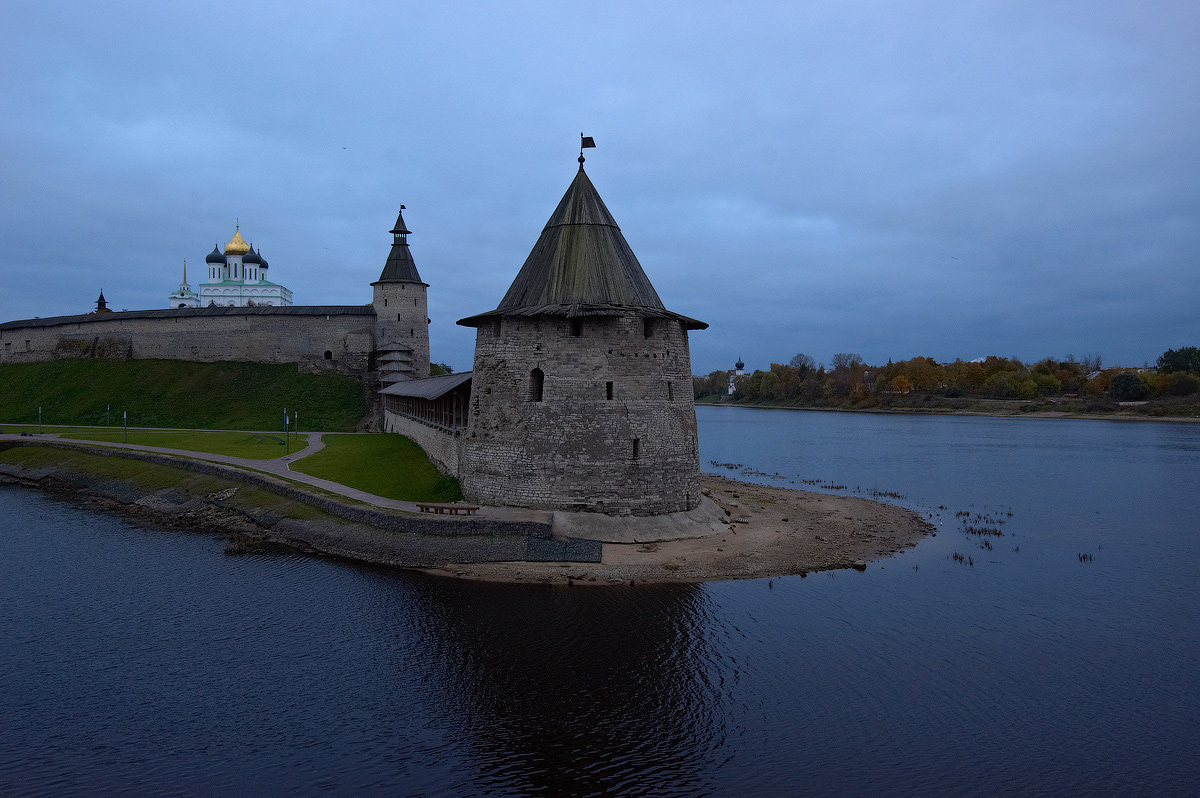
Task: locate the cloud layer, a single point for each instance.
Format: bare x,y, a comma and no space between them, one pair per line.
927,178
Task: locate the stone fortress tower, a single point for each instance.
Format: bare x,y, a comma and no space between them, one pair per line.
581,394
401,314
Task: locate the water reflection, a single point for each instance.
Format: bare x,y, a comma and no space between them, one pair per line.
577,690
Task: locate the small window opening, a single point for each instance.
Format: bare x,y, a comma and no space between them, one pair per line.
385,302
412,332
576,328
328,355
537,382
415,303
647,328
397,317
670,391
608,390
636,446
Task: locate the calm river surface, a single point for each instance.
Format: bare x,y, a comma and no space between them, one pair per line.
1064,659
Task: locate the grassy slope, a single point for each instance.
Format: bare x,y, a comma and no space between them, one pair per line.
386,465
173,393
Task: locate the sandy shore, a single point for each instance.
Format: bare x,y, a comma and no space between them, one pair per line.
770,532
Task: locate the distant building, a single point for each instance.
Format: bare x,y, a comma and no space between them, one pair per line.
184,296
237,277
739,371
102,305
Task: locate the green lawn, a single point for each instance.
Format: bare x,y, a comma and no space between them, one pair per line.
386,465
235,444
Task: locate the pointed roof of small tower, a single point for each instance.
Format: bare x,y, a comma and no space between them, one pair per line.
400,266
581,265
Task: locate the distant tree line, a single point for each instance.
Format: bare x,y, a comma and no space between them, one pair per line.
849,379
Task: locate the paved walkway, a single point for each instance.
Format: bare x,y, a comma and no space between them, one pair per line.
282,467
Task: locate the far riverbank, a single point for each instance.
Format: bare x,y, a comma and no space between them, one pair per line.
989,408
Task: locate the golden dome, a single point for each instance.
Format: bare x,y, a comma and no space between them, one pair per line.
237,245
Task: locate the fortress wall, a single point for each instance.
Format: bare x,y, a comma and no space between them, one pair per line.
574,449
443,448
256,337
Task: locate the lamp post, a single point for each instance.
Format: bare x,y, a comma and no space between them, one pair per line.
125,423
287,441
39,419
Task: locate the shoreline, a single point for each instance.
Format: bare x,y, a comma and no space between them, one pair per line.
769,531
946,411
742,530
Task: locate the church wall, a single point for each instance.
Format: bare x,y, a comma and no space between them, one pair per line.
256,337
575,449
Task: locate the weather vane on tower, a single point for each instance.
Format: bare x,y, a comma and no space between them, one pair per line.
584,142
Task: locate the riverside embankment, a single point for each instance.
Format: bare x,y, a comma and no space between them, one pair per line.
740,530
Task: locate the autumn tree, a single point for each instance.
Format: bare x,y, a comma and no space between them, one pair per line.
802,363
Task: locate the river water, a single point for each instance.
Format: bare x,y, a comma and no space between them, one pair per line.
1064,658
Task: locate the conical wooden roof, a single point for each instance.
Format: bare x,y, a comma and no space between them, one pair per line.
400,266
581,265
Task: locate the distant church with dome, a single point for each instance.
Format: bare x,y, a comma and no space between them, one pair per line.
237,277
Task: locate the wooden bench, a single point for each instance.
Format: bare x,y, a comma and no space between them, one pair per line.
448,509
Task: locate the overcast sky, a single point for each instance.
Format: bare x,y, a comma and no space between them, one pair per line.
951,179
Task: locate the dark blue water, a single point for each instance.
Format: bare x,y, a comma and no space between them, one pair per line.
146,661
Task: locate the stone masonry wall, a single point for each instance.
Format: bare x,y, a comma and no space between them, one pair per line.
444,449
631,451
259,336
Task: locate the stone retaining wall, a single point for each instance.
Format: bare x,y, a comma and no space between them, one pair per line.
443,448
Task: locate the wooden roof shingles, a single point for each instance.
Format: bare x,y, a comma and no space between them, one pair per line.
581,265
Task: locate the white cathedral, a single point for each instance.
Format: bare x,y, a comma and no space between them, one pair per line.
237,277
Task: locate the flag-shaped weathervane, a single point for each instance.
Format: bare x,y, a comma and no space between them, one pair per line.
584,143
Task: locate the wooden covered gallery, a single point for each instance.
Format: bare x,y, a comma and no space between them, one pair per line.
439,402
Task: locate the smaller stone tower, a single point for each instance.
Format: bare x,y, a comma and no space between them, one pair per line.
401,314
